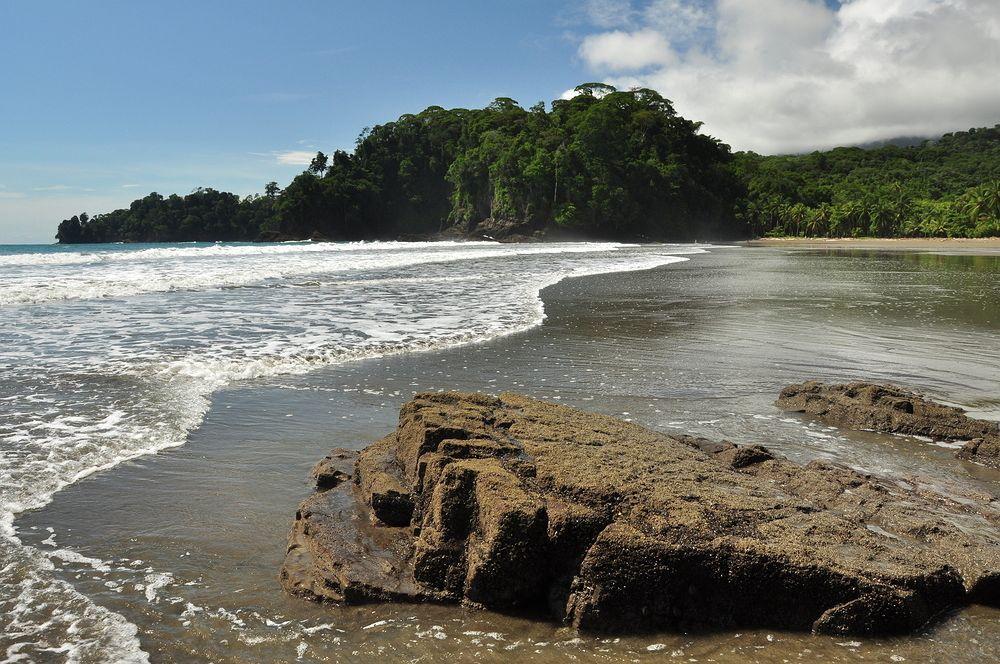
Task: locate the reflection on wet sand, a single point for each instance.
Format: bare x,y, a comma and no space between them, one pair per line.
187,544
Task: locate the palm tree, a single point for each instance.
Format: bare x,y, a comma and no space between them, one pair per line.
854,217
798,214
819,221
900,209
983,202
935,227
773,215
884,220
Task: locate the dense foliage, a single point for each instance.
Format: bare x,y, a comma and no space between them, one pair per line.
203,215
604,164
944,188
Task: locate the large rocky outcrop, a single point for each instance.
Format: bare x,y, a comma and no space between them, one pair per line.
515,504
891,409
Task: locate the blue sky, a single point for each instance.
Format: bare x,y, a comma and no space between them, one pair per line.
105,101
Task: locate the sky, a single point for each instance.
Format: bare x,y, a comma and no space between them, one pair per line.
102,102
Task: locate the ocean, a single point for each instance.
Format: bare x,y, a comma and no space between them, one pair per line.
160,406
111,352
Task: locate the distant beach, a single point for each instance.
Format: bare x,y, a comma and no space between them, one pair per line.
984,244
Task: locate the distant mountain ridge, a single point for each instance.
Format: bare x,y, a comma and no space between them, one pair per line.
898,141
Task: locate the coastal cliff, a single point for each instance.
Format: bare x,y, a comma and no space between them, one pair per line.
515,504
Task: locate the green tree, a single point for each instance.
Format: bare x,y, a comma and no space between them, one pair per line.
318,164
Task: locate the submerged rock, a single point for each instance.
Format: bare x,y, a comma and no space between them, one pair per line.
891,409
515,504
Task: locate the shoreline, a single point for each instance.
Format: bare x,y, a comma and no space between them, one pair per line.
901,244
989,244
604,346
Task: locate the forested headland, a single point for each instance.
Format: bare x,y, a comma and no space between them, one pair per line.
604,164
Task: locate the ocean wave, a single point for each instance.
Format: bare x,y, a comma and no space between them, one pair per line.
109,385
158,270
123,254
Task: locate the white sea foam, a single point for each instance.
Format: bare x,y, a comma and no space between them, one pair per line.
166,270
90,382
68,256
154,583
69,556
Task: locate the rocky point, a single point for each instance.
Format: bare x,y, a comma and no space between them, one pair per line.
515,504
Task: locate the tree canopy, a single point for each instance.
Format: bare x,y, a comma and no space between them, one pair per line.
946,187
606,163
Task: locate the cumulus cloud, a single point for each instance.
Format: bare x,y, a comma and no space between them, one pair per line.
622,51
794,75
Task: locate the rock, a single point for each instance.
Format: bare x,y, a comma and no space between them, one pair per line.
985,450
891,409
335,553
504,230
334,469
516,504
391,503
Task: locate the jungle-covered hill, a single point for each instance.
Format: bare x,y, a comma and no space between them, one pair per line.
948,187
604,164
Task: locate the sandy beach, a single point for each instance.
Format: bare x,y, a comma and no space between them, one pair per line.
988,245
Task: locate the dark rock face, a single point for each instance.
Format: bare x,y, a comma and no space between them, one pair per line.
333,469
890,409
517,504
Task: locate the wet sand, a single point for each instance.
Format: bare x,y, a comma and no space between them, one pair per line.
187,543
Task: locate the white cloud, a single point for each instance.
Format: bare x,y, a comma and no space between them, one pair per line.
621,51
791,75
61,187
294,157
288,157
679,20
10,195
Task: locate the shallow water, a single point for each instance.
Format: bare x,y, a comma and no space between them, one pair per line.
182,548
109,353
